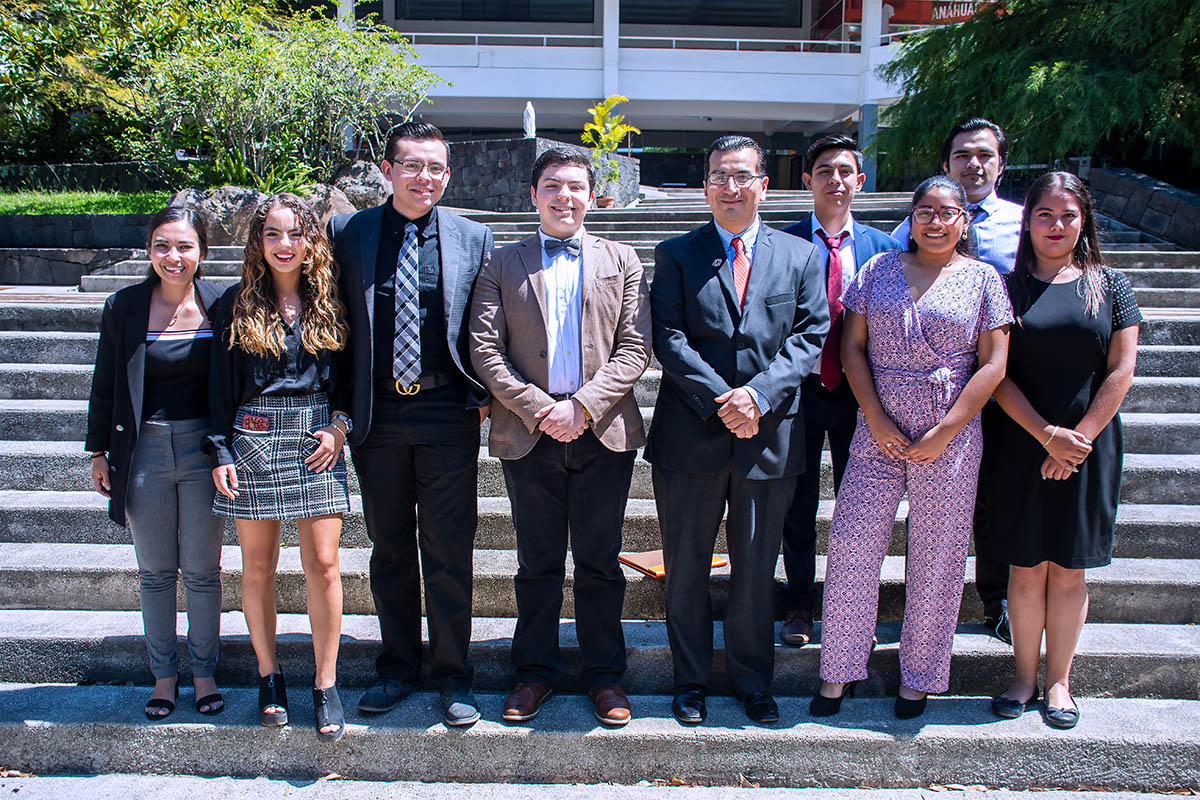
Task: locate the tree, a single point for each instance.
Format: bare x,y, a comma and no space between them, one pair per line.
1062,77
283,95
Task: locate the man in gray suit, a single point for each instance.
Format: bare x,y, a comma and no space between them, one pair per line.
739,315
407,270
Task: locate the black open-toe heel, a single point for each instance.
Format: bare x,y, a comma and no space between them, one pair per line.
822,706
327,710
272,691
214,701
158,702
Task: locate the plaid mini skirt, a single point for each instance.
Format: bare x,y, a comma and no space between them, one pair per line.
271,438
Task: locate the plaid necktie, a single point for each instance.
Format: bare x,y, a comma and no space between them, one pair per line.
406,349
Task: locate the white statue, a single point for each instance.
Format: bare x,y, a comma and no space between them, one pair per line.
530,120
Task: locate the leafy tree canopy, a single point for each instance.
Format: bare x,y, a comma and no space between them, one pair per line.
1062,77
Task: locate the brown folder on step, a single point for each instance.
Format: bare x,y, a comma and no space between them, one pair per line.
651,562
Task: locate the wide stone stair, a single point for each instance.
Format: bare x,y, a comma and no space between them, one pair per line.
73,662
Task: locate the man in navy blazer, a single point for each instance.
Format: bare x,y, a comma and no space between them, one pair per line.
739,314
833,171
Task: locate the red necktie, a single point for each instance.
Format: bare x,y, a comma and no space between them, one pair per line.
831,359
741,270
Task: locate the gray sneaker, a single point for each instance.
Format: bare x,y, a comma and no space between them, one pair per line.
384,695
459,708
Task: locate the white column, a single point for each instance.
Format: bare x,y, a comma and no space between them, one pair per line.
612,43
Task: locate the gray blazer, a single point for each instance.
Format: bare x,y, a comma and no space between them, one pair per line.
465,246
707,345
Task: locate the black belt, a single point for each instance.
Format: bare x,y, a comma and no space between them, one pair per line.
558,397
424,383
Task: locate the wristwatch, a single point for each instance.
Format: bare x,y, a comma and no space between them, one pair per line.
349,422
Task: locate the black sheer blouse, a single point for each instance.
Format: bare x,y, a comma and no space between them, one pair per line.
236,376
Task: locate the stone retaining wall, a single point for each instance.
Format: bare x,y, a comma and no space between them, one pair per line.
1148,204
73,230
57,266
493,174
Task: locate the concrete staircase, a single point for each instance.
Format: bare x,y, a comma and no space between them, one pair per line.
70,644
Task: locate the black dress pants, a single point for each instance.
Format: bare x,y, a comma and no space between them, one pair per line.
991,575
422,452
690,506
580,486
835,413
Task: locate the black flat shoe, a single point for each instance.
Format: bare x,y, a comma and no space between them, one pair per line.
272,691
158,702
1064,718
214,701
761,707
910,709
822,706
327,710
688,706
1008,708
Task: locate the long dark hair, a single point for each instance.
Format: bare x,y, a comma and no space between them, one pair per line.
960,196
192,217
1086,256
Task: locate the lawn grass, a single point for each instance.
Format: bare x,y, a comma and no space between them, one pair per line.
82,202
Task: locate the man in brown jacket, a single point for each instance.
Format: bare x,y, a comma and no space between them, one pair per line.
560,333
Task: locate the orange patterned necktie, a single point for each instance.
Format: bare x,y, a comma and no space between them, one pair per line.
741,270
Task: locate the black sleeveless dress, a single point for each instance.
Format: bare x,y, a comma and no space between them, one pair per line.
1058,357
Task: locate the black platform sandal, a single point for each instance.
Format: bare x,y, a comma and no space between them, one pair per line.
155,703
327,710
272,691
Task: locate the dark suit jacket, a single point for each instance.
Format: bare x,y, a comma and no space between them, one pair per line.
867,240
464,247
115,405
707,346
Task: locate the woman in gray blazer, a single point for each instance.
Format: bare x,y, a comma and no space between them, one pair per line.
147,416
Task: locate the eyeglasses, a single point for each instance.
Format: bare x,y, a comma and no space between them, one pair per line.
411,168
741,179
946,214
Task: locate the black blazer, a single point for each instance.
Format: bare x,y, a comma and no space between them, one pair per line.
707,345
115,405
868,241
464,247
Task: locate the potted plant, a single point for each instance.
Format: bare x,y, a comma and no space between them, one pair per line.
604,134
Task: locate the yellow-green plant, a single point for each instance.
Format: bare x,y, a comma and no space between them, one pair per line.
604,135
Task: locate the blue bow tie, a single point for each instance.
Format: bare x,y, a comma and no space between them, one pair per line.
556,246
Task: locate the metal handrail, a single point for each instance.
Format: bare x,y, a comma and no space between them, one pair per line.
474,38
543,40
803,45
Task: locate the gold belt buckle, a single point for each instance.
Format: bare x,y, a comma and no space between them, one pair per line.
410,390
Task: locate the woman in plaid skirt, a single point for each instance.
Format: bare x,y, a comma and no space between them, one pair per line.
276,443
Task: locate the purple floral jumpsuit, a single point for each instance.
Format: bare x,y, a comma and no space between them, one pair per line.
921,354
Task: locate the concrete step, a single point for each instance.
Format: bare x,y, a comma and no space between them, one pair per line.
34,420
106,647
1139,278
1161,433
1167,298
1154,530
1163,395
1119,743
1152,258
1166,360
111,283
104,577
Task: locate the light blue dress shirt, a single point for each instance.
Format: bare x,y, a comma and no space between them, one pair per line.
562,276
997,226
749,239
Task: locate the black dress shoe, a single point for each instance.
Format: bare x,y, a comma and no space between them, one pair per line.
688,706
761,708
910,709
822,706
1008,708
998,626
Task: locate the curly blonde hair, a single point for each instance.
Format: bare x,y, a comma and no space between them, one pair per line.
257,327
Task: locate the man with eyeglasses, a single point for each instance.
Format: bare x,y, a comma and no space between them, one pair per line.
739,314
406,273
833,170
975,153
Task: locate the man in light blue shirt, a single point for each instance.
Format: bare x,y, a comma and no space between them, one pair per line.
974,154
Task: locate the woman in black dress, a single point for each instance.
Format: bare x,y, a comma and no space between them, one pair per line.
1052,459
277,443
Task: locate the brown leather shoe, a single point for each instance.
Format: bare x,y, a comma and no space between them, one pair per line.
612,706
525,700
797,628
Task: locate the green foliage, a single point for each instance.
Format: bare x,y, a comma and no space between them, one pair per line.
604,134
1062,77
82,202
279,99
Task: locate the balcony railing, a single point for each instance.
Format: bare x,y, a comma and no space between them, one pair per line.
650,42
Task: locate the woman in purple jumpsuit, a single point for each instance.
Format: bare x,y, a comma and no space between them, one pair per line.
924,346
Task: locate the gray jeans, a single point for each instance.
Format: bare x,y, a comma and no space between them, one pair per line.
169,508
